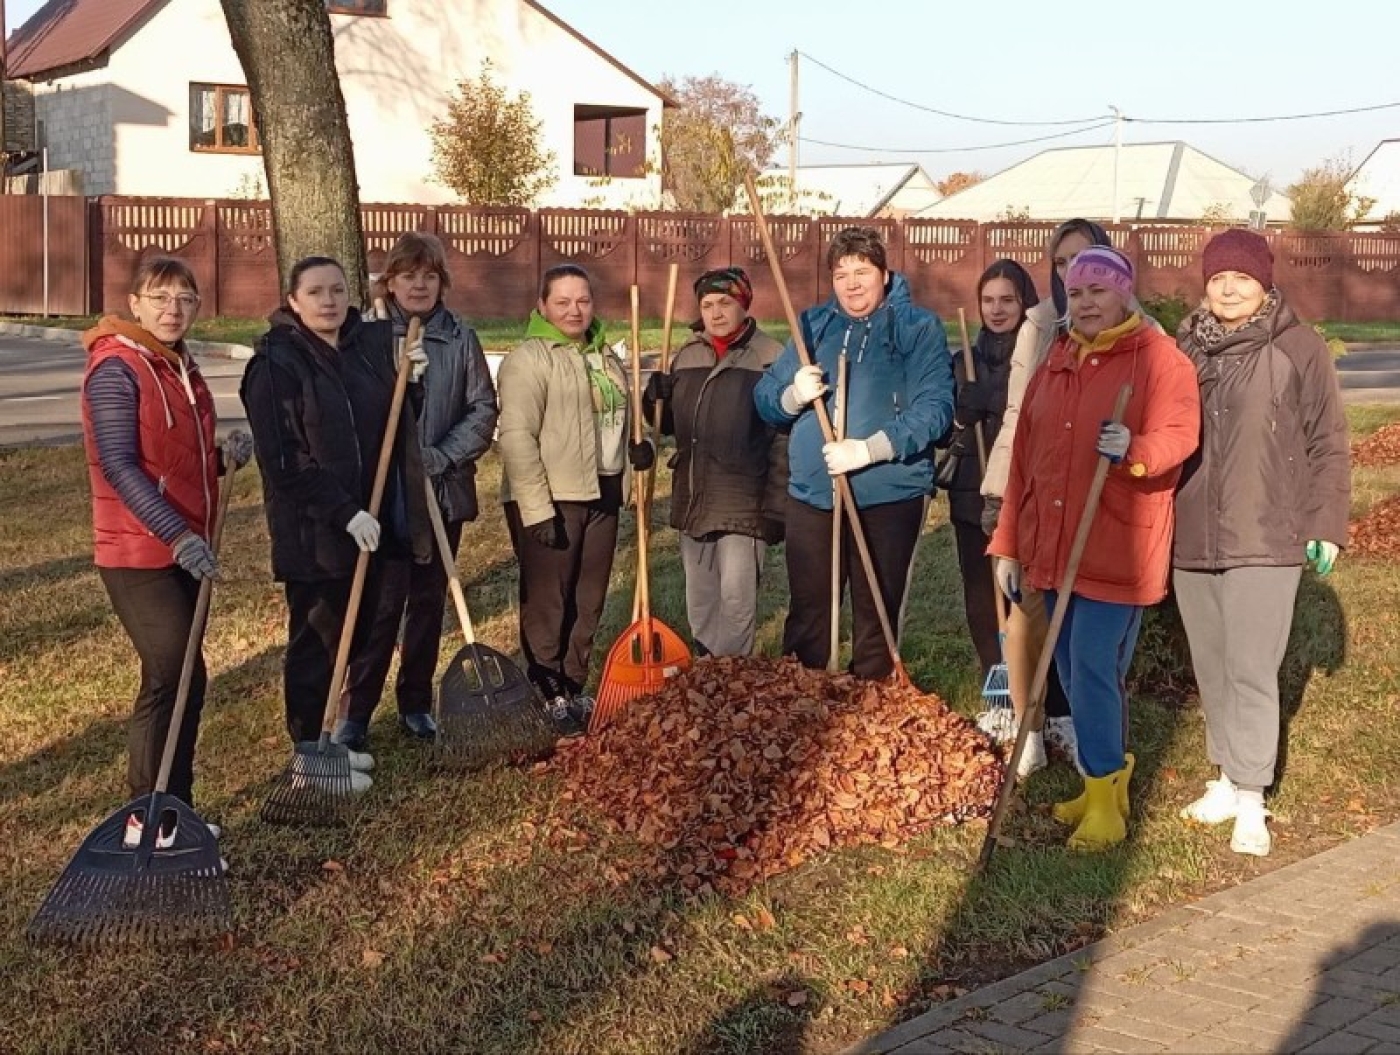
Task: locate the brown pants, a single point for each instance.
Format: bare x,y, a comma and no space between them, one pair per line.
1026,630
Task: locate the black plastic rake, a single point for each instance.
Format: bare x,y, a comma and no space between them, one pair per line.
168,889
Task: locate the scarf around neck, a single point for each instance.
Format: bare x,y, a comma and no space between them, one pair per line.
1210,332
608,397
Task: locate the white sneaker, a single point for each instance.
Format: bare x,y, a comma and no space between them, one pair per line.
360,761
1251,835
1032,756
1219,804
131,837
999,723
360,782
1060,738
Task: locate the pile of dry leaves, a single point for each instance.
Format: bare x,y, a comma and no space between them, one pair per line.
1382,447
744,768
1377,534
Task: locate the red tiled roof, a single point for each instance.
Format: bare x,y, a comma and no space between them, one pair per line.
69,32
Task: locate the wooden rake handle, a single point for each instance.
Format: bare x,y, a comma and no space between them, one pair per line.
449,565
658,410
1047,652
195,640
376,496
643,585
840,482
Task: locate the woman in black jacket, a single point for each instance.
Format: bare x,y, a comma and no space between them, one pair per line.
1268,490
317,394
456,426
730,482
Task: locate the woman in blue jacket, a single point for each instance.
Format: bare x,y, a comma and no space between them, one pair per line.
899,400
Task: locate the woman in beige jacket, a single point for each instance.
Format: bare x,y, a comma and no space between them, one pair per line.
563,438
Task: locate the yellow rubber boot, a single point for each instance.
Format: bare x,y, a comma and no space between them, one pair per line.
1072,812
1103,825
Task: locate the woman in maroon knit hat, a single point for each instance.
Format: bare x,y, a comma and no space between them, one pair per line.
1267,491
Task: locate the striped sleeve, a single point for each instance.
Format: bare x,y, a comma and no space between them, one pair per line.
112,396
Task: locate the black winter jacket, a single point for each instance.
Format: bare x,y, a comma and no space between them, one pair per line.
1274,466
730,465
458,419
318,416
980,403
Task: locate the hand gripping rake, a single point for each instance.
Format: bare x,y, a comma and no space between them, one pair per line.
316,788
153,893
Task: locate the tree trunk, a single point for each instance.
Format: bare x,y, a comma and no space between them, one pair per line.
288,57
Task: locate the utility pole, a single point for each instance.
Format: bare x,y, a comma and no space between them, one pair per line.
4,73
1117,157
794,118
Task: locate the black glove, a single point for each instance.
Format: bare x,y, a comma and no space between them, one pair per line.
970,407
660,386
991,510
546,533
964,442
641,455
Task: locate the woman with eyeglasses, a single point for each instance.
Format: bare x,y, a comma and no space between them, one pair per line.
154,468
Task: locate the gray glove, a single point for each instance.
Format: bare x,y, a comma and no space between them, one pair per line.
238,449
194,555
1113,441
991,511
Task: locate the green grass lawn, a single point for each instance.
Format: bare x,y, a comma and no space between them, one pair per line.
500,335
480,914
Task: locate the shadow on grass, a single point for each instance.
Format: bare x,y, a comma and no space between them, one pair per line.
1317,641
50,573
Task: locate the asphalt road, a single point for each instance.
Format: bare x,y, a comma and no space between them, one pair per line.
39,383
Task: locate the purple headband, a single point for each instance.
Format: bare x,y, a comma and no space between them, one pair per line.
1104,266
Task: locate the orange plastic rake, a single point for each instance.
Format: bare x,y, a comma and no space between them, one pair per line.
647,652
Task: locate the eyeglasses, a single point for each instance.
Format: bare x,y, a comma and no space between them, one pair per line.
186,301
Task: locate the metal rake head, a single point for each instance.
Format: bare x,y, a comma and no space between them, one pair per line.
316,788
168,889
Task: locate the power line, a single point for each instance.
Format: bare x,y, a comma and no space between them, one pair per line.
955,150
1257,120
944,113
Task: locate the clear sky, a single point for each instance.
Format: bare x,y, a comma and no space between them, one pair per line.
1022,61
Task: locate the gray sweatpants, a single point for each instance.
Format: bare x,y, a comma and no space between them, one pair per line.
721,591
1237,622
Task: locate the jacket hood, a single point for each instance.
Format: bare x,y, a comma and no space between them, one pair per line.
285,317
539,326
897,299
113,326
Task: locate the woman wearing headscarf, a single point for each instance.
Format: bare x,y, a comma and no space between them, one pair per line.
318,392
730,468
455,428
899,400
1004,294
565,452
154,468
1066,427
1268,491
1027,623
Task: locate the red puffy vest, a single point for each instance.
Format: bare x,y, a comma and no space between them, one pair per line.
175,447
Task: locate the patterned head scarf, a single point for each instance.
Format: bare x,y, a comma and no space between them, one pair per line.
732,281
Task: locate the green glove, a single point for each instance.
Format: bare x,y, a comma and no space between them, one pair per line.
1323,555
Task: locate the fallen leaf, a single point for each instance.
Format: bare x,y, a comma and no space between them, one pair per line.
332,866
371,958
534,1016
797,998
660,955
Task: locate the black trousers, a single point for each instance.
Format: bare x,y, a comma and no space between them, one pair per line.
409,596
562,590
315,615
891,532
978,597
156,608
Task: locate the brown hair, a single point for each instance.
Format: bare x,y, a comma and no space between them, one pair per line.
162,271
864,242
559,271
415,250
305,264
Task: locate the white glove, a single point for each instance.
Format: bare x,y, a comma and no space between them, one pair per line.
846,456
364,529
1008,575
419,358
807,386
1113,441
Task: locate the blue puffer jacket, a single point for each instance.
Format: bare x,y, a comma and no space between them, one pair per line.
899,382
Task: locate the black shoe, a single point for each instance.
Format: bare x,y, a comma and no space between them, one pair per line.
567,721
419,726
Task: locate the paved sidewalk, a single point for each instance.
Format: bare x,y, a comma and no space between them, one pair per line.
1306,958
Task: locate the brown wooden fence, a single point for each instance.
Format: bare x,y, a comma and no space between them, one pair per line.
496,256
22,255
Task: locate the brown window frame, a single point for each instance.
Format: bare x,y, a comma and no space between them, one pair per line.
220,92
608,115
357,7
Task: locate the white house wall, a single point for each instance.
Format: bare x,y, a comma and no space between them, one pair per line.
127,126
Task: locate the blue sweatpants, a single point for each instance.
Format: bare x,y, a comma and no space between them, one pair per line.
1093,653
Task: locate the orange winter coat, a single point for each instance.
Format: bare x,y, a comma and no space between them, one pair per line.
1128,554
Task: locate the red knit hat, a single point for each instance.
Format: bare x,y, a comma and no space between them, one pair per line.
1239,250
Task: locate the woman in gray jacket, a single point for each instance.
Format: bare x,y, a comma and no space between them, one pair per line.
1268,490
456,427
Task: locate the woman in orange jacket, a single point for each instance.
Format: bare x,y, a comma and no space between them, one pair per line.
1065,428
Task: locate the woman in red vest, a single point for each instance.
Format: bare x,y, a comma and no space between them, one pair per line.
148,426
